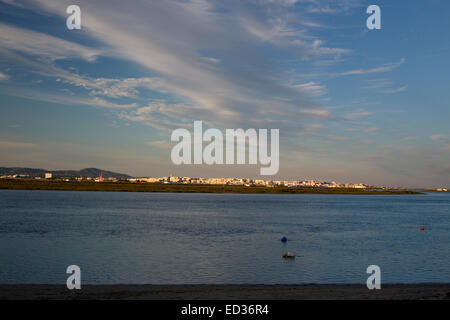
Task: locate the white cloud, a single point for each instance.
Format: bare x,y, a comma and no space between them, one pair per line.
357,114
3,77
330,6
13,3
210,90
310,130
109,87
160,144
40,44
319,113
440,136
312,88
396,90
378,83
17,145
53,97
370,129
384,68
384,86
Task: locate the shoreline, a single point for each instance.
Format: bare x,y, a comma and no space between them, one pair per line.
17,184
425,291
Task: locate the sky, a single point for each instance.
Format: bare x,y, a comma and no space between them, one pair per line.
352,104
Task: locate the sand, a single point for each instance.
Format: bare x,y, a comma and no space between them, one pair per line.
227,292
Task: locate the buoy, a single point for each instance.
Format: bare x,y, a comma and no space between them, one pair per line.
284,239
288,255
422,228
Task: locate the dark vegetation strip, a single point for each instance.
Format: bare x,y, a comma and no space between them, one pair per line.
17,184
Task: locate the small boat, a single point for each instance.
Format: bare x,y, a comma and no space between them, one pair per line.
288,255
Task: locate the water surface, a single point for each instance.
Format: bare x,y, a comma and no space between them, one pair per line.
166,238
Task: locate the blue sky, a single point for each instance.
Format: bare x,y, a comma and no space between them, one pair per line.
352,104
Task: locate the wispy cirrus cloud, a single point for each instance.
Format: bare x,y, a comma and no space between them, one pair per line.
440,136
224,96
43,45
310,129
377,83
385,68
160,144
3,76
396,90
17,145
313,88
384,86
64,99
330,6
358,114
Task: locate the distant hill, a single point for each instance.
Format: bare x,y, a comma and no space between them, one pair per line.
88,172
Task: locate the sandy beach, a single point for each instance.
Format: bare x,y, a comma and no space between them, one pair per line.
227,292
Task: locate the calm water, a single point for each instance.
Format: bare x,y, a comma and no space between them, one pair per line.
165,238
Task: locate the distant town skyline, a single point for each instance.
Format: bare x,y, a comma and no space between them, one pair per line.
97,175
351,104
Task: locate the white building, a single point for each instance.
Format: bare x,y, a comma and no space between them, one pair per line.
48,175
